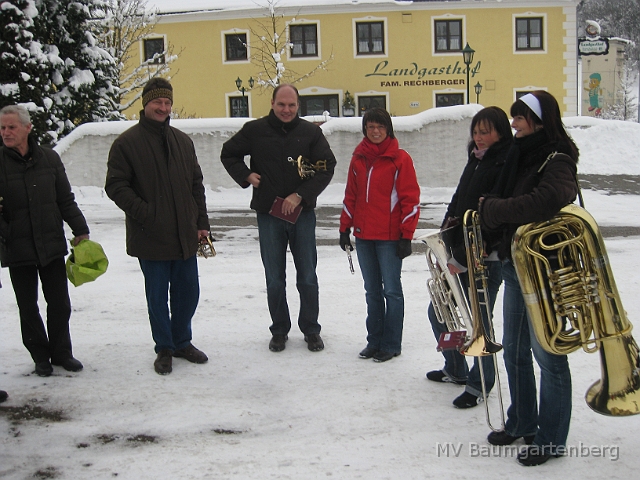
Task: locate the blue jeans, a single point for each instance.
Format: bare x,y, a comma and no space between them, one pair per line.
275,235
174,281
381,269
455,364
550,421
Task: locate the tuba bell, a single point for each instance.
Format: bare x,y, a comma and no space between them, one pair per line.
573,302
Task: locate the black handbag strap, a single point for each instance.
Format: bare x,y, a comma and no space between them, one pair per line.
551,156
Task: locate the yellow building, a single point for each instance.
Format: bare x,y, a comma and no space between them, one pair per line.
404,56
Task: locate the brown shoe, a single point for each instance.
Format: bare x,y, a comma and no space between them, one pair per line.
162,365
192,354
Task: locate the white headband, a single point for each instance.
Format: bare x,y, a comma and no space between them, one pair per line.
531,101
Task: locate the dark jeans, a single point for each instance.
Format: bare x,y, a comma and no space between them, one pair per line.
275,235
57,345
174,283
455,364
381,269
550,420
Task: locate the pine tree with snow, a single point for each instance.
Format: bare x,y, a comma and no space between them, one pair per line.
24,76
83,74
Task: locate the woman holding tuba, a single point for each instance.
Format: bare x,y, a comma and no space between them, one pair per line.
534,185
491,138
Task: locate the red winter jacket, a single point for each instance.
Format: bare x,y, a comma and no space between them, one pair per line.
382,196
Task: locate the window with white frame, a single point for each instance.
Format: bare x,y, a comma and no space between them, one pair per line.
529,33
239,106
365,102
449,99
154,50
448,35
304,40
235,46
318,104
370,38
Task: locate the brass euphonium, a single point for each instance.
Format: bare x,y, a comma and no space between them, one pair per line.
573,302
448,299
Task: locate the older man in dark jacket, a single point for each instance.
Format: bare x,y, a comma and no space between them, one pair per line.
36,198
275,143
153,175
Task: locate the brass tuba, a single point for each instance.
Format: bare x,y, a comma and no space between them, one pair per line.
573,302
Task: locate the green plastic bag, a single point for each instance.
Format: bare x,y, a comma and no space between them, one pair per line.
86,262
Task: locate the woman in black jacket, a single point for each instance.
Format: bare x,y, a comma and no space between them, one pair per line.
535,184
491,138
37,198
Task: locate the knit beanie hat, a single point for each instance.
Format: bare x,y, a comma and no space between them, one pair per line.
157,88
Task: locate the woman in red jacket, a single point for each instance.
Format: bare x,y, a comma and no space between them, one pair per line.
382,204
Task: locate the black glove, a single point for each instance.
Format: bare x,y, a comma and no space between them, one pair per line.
345,241
403,250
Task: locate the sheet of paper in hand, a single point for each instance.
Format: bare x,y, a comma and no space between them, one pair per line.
276,211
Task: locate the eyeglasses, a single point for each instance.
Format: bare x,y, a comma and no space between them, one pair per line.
380,128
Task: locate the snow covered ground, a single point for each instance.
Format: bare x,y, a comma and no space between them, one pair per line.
253,414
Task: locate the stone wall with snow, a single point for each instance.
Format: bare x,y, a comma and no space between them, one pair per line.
436,139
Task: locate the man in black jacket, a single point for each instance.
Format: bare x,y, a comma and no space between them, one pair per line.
275,143
37,198
153,175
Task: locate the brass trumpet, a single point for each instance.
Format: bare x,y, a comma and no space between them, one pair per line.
573,302
307,169
205,247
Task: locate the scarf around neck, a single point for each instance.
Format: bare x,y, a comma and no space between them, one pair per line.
371,151
521,150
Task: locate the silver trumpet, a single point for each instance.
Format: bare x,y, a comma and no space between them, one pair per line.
205,247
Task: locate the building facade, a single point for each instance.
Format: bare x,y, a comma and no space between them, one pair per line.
404,56
602,63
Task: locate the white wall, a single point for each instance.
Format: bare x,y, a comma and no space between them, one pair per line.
436,139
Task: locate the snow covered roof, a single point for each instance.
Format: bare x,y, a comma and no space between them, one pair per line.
192,6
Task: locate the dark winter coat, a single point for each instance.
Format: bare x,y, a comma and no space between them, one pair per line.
533,187
37,199
270,143
382,196
478,179
153,175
